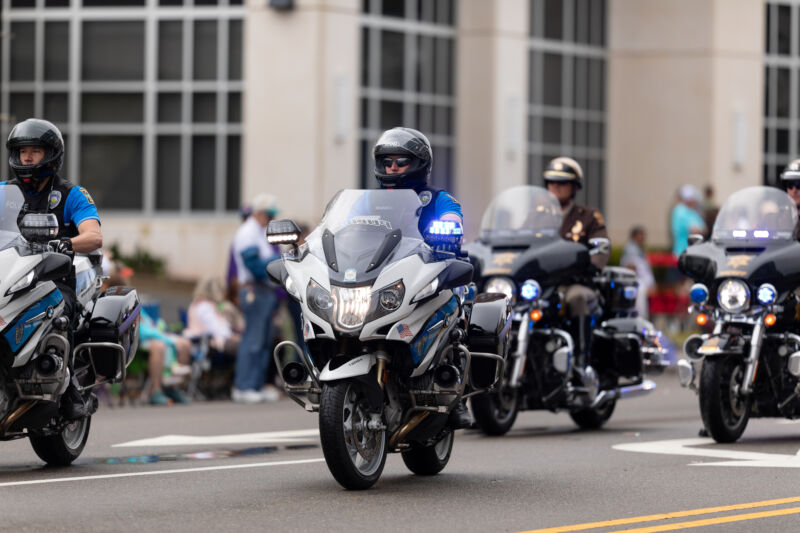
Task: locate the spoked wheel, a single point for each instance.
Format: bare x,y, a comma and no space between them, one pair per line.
355,453
495,412
429,460
593,418
724,410
63,448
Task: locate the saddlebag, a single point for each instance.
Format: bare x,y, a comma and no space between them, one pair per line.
488,331
619,287
617,346
115,320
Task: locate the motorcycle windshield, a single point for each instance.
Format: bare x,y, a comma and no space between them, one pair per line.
520,215
11,203
362,230
756,214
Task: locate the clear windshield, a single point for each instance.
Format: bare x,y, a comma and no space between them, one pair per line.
11,204
523,212
359,222
757,214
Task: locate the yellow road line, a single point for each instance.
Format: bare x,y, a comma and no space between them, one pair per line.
666,516
715,521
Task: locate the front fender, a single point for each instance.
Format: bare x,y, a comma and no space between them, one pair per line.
358,366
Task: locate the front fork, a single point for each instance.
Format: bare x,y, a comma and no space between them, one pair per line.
523,336
751,363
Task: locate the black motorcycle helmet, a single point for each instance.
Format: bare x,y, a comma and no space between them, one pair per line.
564,169
35,132
404,141
791,173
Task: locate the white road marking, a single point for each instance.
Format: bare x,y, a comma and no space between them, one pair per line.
276,437
736,457
158,472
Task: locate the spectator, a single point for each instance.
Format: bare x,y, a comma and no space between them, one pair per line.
634,257
208,315
684,219
258,301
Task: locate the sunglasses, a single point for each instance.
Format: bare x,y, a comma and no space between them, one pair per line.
793,185
401,161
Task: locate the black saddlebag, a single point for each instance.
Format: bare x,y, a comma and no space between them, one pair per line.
619,287
488,331
617,347
114,319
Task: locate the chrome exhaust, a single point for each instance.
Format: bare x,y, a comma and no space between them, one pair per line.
630,391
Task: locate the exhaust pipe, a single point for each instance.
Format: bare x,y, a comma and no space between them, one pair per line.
446,376
630,391
685,373
294,373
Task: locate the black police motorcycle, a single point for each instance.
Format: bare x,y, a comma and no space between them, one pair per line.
519,253
747,278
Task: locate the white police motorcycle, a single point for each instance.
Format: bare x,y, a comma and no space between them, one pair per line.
41,350
390,329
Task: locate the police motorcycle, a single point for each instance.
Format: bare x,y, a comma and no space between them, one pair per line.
747,276
520,254
41,350
394,338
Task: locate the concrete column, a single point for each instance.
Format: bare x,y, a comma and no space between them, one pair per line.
492,102
300,109
685,105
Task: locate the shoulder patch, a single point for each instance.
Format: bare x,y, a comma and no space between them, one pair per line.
54,199
599,217
450,196
87,195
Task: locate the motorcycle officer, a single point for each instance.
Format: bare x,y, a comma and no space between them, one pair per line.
563,177
790,182
404,160
36,153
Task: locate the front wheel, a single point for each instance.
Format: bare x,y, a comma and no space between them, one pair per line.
593,418
496,412
429,460
63,448
725,412
355,454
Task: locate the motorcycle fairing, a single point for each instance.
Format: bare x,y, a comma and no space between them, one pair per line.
358,366
431,334
25,330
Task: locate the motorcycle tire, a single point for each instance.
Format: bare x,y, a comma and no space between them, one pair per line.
593,418
429,460
62,449
495,414
725,414
355,455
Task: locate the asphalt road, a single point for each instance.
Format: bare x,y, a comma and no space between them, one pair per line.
260,468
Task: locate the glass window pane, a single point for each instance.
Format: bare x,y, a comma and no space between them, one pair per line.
56,3
582,21
597,84
234,107
235,48
392,59
22,51
782,141
553,19
170,2
56,107
597,22
113,50
394,8
783,93
426,75
426,10
20,106
784,30
205,50
768,34
170,50
233,173
203,166
168,172
552,79
551,130
204,108
169,107
205,2
112,3
391,114
23,3
120,156
112,107
56,51
365,32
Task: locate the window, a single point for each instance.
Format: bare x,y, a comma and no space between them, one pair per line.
111,170
113,50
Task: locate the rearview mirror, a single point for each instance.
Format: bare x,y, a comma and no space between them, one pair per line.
283,232
695,238
599,246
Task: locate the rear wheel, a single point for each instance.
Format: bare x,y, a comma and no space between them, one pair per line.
355,454
63,448
724,410
496,412
593,418
429,460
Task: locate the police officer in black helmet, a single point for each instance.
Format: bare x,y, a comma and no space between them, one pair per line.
36,153
404,160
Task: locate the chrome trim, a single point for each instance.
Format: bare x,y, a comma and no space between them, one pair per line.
301,394
521,351
113,345
628,391
752,360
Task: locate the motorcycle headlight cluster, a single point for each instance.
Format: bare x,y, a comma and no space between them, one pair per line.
349,307
733,296
501,285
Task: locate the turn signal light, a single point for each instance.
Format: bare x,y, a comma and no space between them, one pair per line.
536,315
702,319
770,320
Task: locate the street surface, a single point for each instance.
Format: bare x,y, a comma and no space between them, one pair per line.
227,467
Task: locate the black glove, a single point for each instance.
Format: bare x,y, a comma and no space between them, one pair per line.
64,246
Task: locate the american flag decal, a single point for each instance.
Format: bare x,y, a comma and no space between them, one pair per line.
404,331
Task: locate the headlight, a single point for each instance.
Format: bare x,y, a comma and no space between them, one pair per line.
767,294
426,291
501,285
530,290
391,298
291,288
23,283
319,300
351,305
733,296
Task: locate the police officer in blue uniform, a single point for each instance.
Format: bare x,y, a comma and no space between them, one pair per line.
404,160
36,153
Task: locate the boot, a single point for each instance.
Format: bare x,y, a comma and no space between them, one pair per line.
74,406
460,417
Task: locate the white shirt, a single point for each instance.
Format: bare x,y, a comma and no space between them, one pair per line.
250,234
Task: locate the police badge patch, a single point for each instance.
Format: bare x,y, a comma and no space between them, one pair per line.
425,197
54,199
86,194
